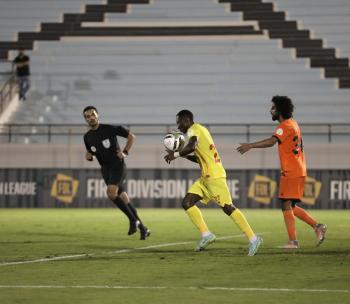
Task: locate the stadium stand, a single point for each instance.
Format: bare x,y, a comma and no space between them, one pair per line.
67,22
325,19
221,78
206,71
177,11
136,81
292,37
19,16
328,20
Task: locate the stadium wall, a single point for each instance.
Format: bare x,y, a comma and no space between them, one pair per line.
57,175
318,156
67,188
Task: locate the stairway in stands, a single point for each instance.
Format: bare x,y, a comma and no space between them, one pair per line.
70,23
279,27
72,26
144,79
268,19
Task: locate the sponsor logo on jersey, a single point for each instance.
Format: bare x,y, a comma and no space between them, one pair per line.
279,131
106,143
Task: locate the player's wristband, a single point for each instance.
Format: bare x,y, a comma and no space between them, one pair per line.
176,154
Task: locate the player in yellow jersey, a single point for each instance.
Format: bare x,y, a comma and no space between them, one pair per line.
211,186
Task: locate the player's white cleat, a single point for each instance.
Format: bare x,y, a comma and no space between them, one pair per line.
254,246
205,241
291,245
320,231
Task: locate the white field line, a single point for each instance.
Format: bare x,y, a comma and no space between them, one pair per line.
179,243
248,289
45,259
74,256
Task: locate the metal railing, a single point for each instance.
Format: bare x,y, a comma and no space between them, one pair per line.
7,91
51,133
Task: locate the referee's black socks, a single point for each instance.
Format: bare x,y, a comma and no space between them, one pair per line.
130,211
125,209
134,211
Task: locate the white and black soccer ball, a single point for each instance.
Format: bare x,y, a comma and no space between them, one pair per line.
174,141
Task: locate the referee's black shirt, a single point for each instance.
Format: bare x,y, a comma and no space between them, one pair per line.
103,143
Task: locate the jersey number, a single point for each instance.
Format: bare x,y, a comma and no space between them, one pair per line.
298,145
215,153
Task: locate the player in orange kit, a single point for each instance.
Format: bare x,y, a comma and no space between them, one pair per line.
293,168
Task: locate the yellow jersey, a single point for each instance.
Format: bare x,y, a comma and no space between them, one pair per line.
206,153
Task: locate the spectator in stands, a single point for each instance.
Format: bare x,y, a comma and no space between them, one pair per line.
293,169
101,142
22,72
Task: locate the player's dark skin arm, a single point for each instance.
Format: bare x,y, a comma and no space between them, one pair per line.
192,158
265,143
188,149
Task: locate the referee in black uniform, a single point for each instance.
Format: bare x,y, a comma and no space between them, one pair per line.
101,141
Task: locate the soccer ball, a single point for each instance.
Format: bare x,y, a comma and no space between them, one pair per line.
174,141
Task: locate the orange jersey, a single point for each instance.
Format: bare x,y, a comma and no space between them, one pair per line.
290,148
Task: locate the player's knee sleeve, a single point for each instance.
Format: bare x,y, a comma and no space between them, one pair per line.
228,209
186,204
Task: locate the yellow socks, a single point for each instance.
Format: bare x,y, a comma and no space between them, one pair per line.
242,223
196,217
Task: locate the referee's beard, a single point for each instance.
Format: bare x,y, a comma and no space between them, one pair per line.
94,125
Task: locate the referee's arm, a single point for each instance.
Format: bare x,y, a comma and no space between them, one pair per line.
129,142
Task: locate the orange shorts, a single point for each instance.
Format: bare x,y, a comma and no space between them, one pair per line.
291,188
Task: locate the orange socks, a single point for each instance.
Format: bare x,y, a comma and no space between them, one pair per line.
300,213
289,220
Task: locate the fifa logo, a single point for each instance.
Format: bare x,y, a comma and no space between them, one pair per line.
64,188
262,189
312,190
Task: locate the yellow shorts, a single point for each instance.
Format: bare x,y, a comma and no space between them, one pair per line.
212,190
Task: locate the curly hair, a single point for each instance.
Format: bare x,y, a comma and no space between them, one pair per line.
284,106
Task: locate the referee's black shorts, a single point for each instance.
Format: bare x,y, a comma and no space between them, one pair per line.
115,174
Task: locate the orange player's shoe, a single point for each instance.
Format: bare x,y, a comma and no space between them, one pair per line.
291,245
320,231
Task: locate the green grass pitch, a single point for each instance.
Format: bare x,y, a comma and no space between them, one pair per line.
107,266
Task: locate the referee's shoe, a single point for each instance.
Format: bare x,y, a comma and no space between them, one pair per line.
133,227
144,232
